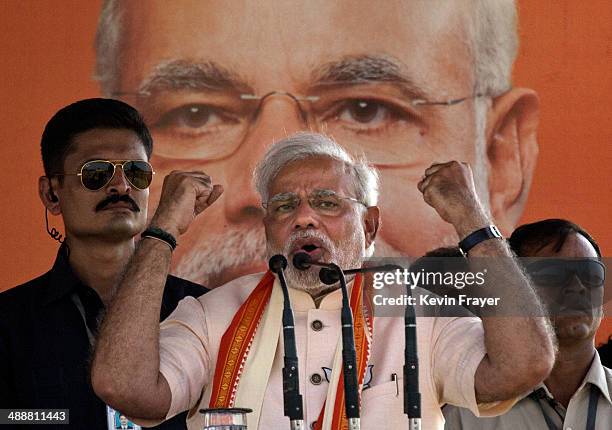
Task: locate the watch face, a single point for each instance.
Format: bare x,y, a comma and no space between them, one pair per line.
495,231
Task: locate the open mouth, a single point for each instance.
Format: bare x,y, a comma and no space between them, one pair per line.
310,246
313,250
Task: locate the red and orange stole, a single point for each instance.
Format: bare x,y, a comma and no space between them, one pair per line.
237,339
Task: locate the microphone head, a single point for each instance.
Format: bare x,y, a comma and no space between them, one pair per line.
328,276
277,263
391,267
301,261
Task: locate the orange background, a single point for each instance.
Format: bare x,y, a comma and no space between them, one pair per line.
565,55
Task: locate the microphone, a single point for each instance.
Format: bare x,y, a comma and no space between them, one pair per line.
303,261
412,396
277,263
292,398
330,277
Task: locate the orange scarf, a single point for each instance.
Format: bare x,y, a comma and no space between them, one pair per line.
237,339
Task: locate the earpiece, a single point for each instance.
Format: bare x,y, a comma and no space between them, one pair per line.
52,195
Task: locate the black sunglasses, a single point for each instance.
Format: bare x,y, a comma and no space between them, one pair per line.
558,272
96,174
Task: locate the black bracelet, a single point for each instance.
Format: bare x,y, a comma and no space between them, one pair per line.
159,234
474,238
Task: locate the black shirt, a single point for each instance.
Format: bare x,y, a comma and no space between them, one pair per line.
45,345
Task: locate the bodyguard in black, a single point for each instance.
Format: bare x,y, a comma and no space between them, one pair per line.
97,174
45,329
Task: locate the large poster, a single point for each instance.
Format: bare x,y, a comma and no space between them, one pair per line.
397,82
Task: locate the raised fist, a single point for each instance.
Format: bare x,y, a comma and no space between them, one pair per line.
449,189
184,196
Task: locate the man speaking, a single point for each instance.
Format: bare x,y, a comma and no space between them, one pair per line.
320,201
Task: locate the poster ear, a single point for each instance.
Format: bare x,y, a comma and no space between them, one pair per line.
512,151
371,223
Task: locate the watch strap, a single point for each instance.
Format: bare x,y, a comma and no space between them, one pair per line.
480,235
159,234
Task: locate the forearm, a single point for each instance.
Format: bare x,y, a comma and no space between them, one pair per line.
519,348
125,369
518,338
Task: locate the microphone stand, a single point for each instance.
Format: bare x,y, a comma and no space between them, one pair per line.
329,276
292,398
412,396
302,261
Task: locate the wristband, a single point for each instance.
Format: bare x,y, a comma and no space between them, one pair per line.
159,234
473,239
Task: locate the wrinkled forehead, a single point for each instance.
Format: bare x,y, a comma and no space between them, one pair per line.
314,173
299,40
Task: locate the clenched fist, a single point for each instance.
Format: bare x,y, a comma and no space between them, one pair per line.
184,196
449,189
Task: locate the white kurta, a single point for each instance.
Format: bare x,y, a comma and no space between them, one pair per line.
449,349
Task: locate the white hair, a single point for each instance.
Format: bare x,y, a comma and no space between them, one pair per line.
492,39
108,47
480,169
304,145
493,42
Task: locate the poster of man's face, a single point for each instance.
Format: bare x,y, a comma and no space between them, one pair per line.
398,83
402,83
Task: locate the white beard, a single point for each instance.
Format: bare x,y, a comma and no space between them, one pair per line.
231,249
238,247
346,254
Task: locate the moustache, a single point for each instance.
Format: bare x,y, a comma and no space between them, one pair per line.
309,234
116,198
574,304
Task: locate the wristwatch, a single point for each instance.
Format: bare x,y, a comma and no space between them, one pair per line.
161,235
473,239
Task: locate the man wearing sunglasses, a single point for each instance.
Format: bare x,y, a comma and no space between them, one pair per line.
95,154
565,264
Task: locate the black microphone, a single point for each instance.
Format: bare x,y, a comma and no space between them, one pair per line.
292,398
412,395
303,261
277,263
330,277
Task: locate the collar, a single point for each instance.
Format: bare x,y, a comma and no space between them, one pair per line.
62,280
596,375
301,301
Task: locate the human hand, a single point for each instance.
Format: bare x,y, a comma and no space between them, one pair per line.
449,189
184,196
